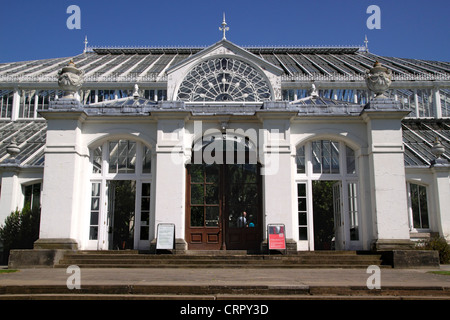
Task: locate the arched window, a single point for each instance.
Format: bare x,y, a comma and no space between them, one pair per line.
224,79
326,157
327,196
120,207
121,156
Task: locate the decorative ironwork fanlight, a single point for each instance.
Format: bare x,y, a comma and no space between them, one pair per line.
224,79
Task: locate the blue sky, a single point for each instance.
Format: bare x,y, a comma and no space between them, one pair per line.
31,29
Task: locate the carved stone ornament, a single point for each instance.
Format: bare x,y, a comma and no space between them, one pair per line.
378,79
438,149
13,149
70,79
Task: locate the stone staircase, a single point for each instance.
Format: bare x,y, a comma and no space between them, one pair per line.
220,259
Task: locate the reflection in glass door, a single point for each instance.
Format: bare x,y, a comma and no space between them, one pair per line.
242,206
223,207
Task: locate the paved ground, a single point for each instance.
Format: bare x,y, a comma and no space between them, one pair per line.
180,276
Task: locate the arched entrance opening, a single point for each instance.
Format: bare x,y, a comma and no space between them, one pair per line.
327,180
119,215
224,195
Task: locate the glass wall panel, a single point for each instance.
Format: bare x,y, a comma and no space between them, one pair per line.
325,156
146,160
302,211
353,211
122,156
145,211
419,206
6,103
95,211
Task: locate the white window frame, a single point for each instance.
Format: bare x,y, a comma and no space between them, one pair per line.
103,177
346,178
410,209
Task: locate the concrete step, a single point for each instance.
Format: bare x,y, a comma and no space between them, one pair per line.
222,258
110,259
216,292
207,260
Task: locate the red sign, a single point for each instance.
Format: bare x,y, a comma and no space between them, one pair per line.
277,239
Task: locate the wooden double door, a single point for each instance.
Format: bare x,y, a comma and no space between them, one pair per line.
223,207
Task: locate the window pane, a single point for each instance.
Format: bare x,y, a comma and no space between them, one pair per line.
303,233
145,218
423,207
97,160
196,193
146,160
414,188
301,168
302,211
212,216
353,211
144,233
197,217
94,218
419,206
36,201
301,189
113,156
325,156
212,194
122,156
317,157
302,218
131,161
351,164
301,204
145,203
196,173
93,233
212,173
146,189
95,190
95,202
95,211
334,157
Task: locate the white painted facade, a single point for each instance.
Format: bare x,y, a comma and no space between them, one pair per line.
373,198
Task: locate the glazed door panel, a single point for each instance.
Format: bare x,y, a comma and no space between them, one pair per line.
204,207
242,207
223,207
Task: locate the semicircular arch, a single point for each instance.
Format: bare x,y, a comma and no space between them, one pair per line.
224,78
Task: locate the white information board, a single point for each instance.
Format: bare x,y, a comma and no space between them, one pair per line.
165,239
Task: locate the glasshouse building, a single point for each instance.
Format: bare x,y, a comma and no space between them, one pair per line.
347,149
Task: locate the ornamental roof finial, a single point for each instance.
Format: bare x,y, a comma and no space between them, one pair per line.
85,44
224,27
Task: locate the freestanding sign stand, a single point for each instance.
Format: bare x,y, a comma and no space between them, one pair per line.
276,237
165,239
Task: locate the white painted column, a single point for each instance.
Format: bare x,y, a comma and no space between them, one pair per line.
170,176
437,103
387,178
62,194
278,177
10,193
36,104
441,198
15,105
416,103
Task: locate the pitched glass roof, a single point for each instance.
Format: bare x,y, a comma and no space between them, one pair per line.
149,64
